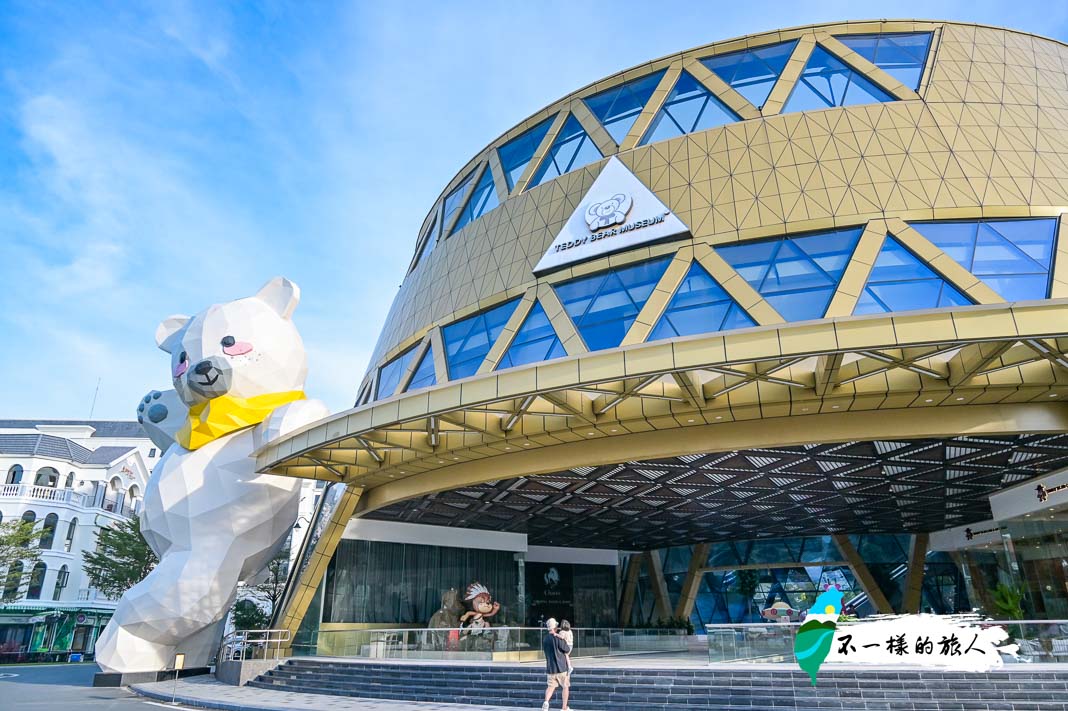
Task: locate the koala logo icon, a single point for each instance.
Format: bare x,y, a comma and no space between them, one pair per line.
552,578
612,211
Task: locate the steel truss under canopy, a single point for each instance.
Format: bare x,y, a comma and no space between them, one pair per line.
882,486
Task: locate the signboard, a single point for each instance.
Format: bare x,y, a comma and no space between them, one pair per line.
550,592
617,213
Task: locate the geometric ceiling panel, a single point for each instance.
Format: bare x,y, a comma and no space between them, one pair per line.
854,487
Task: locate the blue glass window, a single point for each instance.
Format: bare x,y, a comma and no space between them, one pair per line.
571,150
827,82
618,107
534,342
1012,257
468,341
699,306
902,56
483,199
389,375
430,238
797,275
424,372
454,200
752,72
603,306
516,154
689,107
899,281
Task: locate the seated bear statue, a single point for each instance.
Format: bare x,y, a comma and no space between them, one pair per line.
238,372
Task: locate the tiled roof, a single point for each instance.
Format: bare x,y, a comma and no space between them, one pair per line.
104,428
42,445
107,455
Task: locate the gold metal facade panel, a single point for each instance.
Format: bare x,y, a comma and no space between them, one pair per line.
988,139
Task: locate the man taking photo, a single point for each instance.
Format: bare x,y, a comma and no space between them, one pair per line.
556,649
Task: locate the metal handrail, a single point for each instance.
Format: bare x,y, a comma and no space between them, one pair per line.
977,619
249,644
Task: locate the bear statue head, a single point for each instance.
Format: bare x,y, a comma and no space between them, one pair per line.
242,348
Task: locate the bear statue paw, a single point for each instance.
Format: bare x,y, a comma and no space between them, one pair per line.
155,411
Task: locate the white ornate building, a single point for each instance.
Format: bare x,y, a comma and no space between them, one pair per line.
72,478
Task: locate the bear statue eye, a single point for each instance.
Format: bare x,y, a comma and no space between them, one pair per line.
228,341
182,357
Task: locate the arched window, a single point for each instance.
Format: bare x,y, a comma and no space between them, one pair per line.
70,480
28,517
72,528
36,581
135,492
47,476
48,533
61,582
14,474
13,581
115,484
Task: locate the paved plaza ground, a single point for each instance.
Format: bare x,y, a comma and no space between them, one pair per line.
196,692
69,687
44,687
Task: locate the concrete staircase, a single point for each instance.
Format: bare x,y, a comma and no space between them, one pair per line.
748,689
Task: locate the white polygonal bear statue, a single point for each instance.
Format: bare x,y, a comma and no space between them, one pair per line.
238,371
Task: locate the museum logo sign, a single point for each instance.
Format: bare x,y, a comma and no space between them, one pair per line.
617,213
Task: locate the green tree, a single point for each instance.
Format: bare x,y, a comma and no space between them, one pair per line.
250,616
262,593
1008,601
121,560
746,582
18,553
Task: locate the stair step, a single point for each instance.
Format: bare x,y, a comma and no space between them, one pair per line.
605,689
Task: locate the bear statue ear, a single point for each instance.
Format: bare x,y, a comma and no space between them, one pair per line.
169,332
280,294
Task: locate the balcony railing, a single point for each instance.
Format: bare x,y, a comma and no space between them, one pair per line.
42,493
114,504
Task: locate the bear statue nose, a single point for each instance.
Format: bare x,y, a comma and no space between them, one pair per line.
203,367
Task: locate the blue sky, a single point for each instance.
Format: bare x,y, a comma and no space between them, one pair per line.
157,157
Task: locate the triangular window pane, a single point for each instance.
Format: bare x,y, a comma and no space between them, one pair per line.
454,200
516,154
899,281
902,55
689,107
389,375
618,107
534,342
603,306
827,82
430,238
797,275
752,72
483,199
1012,257
700,305
424,375
468,341
571,150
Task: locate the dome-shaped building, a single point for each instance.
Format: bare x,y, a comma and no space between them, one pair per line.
791,303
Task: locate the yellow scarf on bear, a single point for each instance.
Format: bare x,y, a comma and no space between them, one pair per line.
220,416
